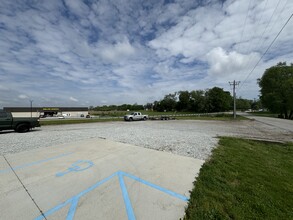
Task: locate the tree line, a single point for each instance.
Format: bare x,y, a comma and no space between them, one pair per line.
276,95
202,101
197,101
211,100
124,107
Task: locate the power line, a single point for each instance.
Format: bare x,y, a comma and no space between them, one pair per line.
259,22
266,51
242,33
283,8
264,31
268,23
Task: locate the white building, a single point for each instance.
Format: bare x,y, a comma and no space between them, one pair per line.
47,111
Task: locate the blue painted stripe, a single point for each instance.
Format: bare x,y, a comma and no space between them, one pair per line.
34,163
76,197
72,209
179,196
55,209
75,168
74,200
96,185
127,202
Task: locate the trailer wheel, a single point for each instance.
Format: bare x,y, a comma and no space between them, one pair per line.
21,128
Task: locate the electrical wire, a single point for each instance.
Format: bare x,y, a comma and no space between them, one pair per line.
242,33
266,51
263,33
268,24
259,23
283,8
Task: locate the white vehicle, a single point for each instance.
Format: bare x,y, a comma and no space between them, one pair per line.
135,116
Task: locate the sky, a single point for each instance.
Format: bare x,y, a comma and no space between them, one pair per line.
103,52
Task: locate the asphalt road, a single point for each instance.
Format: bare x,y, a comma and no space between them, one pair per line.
274,122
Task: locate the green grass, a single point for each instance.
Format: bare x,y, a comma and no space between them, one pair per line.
202,116
76,121
122,113
244,179
221,117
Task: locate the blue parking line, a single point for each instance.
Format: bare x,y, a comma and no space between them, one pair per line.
72,209
171,193
129,210
74,200
55,209
34,163
125,195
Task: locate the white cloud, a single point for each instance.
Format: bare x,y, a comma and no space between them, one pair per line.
117,52
224,63
4,88
77,7
73,99
135,51
22,96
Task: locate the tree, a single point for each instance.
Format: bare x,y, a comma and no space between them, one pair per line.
184,101
198,101
148,106
256,105
243,104
218,100
166,104
277,89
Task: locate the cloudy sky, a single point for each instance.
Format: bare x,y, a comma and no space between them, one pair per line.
96,52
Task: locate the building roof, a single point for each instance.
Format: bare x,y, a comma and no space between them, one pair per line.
42,109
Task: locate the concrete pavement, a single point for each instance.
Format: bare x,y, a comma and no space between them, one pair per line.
95,179
275,122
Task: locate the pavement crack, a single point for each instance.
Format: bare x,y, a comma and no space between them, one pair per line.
25,188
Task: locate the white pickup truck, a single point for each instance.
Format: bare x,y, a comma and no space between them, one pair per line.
135,116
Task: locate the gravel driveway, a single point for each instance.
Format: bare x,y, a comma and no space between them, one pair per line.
191,138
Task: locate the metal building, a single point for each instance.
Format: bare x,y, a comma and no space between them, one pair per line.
47,111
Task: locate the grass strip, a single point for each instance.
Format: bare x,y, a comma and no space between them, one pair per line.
221,117
244,179
76,121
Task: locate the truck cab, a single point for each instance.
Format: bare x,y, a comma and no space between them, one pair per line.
5,120
8,122
135,116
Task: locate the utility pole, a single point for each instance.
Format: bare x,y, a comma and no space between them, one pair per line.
31,101
234,84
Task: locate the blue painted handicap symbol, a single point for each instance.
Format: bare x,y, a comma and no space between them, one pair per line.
79,165
73,201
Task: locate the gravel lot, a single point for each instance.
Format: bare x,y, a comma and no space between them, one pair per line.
188,138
